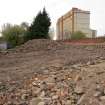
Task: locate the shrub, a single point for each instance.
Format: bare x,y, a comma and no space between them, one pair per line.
78,35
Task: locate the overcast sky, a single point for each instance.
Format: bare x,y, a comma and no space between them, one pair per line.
17,11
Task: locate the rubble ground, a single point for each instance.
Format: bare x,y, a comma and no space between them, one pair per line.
45,72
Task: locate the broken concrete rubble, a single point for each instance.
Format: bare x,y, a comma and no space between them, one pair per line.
43,72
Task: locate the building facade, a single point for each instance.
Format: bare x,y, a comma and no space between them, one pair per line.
73,21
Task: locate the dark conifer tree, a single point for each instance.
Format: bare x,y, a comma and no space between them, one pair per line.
40,27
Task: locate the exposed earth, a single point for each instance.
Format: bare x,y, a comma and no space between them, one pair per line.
45,72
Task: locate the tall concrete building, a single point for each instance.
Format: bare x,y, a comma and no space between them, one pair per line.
73,21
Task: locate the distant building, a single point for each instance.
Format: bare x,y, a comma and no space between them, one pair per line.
73,21
51,33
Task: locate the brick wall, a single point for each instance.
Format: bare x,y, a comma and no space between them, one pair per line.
87,40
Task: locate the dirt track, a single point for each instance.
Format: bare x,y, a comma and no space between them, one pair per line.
20,64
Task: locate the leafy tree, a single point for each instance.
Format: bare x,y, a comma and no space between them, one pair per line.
40,26
78,35
13,34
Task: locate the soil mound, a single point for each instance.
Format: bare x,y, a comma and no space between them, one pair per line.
39,45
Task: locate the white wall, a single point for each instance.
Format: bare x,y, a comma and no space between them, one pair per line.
3,46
